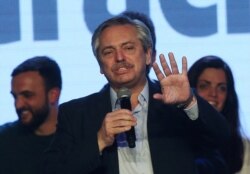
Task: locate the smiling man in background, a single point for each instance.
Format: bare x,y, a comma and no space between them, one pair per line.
35,86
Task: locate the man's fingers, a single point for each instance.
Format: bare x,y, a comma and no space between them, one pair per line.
119,121
158,72
166,69
184,65
164,65
124,123
173,63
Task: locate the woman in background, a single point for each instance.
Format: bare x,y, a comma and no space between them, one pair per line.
213,80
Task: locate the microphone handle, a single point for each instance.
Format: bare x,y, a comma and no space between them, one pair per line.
130,134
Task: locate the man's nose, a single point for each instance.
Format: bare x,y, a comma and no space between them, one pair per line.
119,55
19,102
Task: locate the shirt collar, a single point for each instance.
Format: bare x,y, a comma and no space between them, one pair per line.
142,97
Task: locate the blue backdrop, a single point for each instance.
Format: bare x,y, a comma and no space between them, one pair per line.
62,30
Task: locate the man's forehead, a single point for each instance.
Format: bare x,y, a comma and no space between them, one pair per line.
121,33
118,27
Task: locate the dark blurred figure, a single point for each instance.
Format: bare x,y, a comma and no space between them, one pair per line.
36,84
213,80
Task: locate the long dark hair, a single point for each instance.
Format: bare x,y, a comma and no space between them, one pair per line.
234,153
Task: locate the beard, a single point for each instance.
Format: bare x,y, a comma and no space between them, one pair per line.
38,116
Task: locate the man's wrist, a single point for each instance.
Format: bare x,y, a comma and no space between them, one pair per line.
185,104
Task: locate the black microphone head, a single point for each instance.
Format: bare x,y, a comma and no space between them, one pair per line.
123,92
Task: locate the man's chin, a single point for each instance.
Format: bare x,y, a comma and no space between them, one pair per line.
28,125
25,122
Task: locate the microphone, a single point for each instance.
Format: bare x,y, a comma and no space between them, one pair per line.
123,95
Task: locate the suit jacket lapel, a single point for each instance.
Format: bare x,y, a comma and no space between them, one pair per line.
110,156
154,109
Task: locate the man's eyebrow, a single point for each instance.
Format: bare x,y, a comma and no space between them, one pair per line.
111,47
128,42
107,47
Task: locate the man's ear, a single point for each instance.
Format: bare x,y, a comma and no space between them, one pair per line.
149,56
54,95
153,58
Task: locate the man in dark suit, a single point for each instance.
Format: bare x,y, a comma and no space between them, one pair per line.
171,123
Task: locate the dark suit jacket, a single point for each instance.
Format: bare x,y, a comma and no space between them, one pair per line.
173,138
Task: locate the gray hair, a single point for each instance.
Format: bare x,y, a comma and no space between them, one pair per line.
143,33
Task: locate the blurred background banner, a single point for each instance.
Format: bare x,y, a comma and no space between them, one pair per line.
62,30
